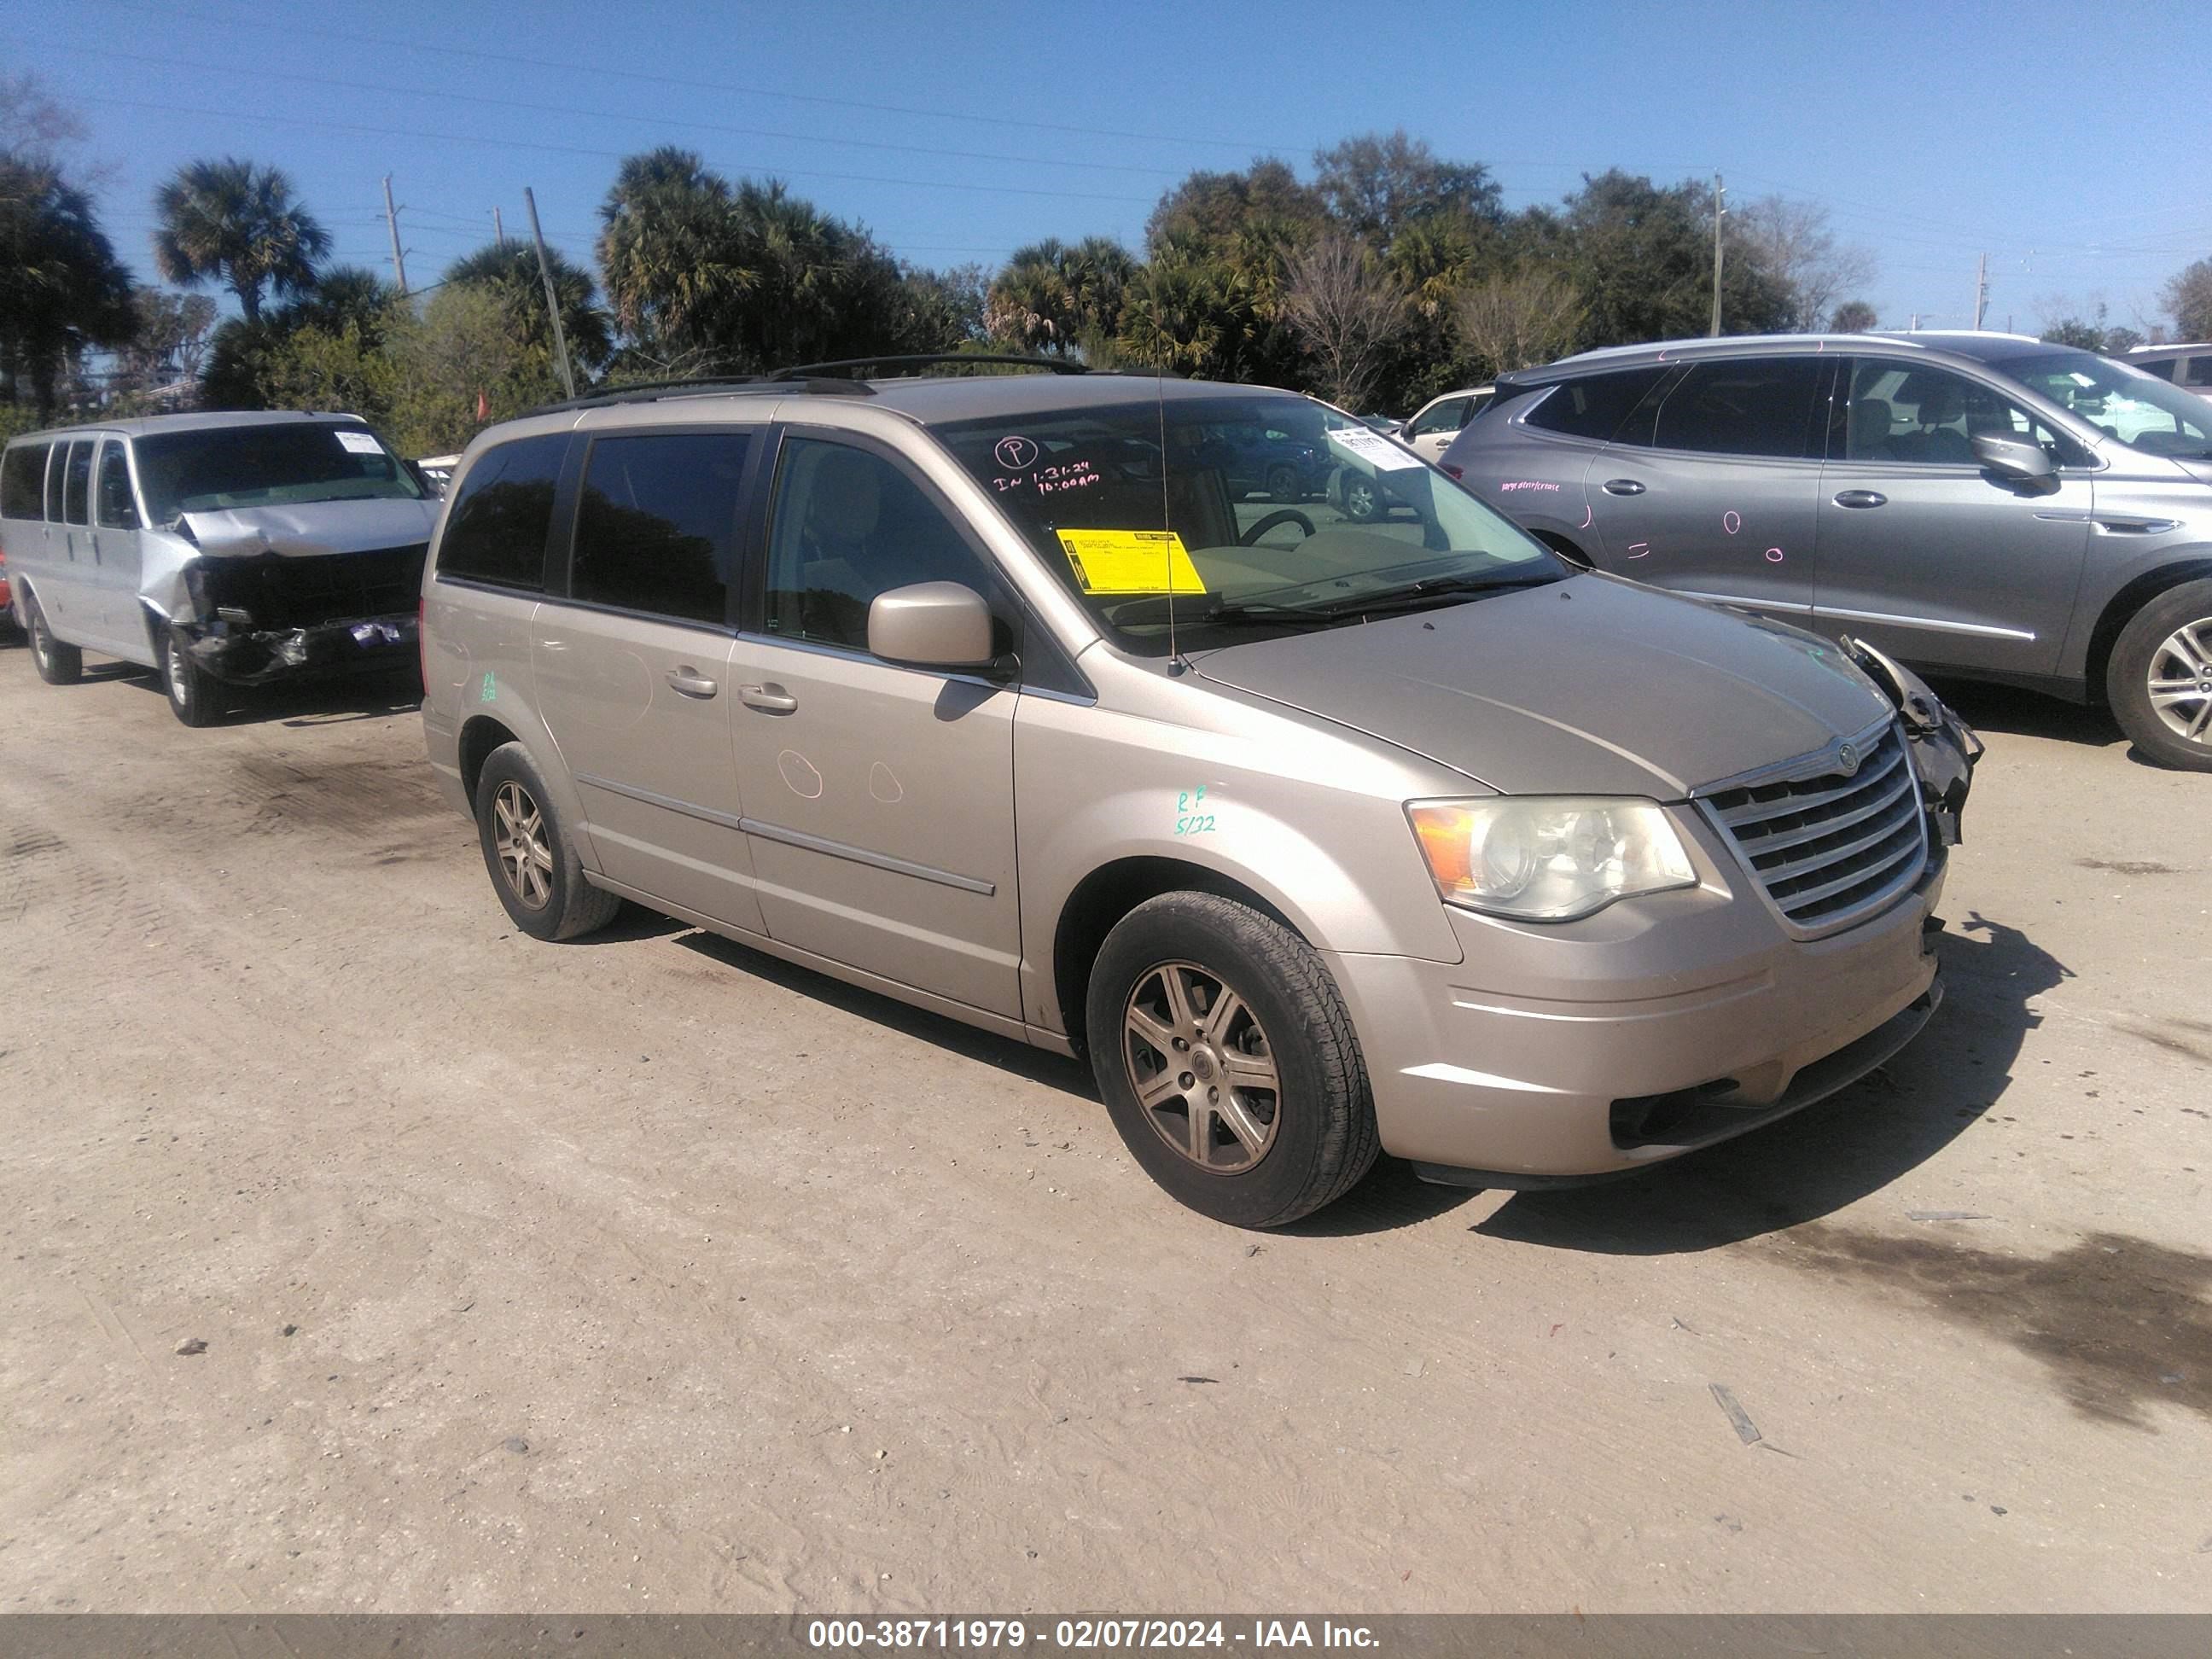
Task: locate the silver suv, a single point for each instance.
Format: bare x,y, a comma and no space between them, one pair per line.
991,694
1984,505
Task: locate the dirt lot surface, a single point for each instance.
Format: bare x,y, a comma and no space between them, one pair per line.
647,1274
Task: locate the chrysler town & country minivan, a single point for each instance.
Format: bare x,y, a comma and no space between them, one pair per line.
1315,836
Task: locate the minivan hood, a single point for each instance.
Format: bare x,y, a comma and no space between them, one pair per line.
312,527
1588,686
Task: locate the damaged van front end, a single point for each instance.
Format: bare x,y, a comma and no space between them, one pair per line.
256,594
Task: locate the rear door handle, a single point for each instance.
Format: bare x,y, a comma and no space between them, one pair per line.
771,699
1623,487
1861,498
692,683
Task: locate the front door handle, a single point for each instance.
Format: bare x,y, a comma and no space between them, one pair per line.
1623,487
692,683
1861,498
771,699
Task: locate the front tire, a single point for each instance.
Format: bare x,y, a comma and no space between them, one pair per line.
1227,1060
2160,680
1282,483
534,867
196,696
1362,499
57,664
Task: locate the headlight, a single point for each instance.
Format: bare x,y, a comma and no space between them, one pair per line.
1553,859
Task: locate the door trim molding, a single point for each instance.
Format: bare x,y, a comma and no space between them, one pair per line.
1979,630
777,832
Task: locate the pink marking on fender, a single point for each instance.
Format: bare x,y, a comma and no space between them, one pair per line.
1731,523
1638,549
1774,556
1587,516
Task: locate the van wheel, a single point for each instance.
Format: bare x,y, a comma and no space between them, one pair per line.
2160,680
1228,1060
57,664
533,867
1362,499
196,696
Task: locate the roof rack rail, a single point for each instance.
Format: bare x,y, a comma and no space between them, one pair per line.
916,360
645,392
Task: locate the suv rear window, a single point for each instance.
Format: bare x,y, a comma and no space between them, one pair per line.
1740,406
1596,406
23,482
496,528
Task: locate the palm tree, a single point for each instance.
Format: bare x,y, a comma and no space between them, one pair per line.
665,246
231,221
62,289
510,270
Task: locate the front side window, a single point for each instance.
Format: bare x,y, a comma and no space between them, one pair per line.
76,485
2199,375
112,507
1446,416
23,482
1146,533
496,530
210,469
2164,368
1595,405
656,526
2119,400
1926,416
1740,406
846,526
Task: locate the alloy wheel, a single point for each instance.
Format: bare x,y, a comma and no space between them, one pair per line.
525,853
2181,681
172,666
1201,1068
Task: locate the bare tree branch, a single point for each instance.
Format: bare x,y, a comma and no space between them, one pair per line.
1791,240
1520,320
1345,309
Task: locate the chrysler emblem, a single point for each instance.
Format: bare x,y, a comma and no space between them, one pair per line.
1847,760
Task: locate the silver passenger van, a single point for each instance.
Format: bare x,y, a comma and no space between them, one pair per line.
219,549
1316,835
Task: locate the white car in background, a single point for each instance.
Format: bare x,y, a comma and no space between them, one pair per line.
1438,421
2188,367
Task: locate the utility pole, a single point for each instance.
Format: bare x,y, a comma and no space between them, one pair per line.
1913,327
1981,290
552,300
498,230
391,221
1720,211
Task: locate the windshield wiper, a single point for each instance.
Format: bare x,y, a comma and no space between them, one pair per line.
1437,589
1254,614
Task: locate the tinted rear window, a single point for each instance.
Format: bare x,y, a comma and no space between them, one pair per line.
2162,366
657,527
1595,407
23,482
1756,406
76,483
495,532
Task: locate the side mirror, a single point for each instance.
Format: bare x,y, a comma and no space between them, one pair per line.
2014,458
932,625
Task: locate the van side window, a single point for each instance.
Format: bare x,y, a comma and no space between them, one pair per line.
2198,376
1741,406
23,482
113,506
847,526
2162,366
496,529
76,485
657,528
1448,416
1594,407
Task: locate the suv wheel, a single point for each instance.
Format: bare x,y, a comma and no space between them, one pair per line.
1282,483
196,696
1227,1059
2160,680
533,867
1363,498
57,664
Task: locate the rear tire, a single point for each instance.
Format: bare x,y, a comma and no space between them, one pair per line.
2160,678
57,664
196,696
1282,483
1362,499
534,867
1227,1060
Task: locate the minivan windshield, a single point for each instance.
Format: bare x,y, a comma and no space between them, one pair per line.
1246,514
2120,400
211,468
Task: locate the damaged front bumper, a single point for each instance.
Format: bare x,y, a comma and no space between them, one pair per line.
237,652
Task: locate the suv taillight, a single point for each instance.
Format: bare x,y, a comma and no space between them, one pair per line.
1455,471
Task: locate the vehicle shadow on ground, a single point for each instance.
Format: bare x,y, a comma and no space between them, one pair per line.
1989,707
1006,1054
1829,1156
301,704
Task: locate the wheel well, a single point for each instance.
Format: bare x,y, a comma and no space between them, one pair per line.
1109,893
2120,610
1565,548
479,738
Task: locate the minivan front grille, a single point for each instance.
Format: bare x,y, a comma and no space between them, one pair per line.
1831,846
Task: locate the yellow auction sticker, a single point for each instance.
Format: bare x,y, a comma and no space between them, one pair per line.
1130,562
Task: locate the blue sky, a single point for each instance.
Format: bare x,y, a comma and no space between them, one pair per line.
2040,133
